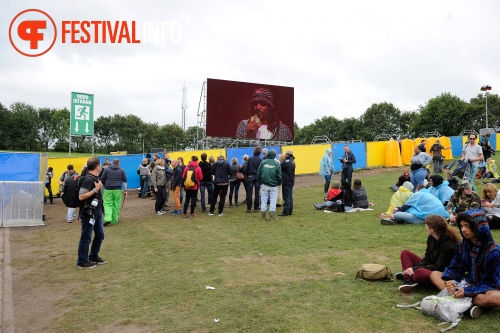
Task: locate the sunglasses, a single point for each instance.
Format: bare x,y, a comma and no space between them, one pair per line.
472,138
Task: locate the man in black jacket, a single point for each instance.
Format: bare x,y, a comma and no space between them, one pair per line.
347,160
253,163
288,180
206,182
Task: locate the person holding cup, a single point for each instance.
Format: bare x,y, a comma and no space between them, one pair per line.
491,205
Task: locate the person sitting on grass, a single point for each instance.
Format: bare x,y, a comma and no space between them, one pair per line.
491,169
442,240
341,202
491,203
475,268
416,209
398,199
332,193
462,200
360,195
440,189
405,177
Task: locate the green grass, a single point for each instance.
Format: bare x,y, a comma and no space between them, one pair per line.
293,275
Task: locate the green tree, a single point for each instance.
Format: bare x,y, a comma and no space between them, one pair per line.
173,137
445,114
53,126
128,129
4,127
477,108
350,129
382,118
23,127
105,133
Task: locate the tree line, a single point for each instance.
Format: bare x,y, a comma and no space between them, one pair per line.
26,128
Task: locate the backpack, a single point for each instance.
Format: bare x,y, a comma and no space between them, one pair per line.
444,307
190,180
374,272
71,192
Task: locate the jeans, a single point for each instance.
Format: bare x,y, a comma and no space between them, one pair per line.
346,175
407,218
49,189
222,189
144,185
86,238
253,183
473,172
234,187
71,215
268,193
438,164
328,178
417,177
209,186
288,198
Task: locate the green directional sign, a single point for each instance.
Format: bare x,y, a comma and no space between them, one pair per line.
82,114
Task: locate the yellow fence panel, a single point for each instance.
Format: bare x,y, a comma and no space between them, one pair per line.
375,154
60,165
307,157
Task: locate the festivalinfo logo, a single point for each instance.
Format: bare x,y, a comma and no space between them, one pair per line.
33,32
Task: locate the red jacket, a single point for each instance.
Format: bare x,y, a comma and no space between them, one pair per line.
197,173
332,193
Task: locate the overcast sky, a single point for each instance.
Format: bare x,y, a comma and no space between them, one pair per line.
340,56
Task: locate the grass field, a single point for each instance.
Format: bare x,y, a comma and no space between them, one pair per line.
293,275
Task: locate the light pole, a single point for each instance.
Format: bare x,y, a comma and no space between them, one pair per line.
485,89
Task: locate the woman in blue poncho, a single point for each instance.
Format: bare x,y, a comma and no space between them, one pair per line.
326,169
416,209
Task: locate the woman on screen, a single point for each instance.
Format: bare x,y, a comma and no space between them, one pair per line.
263,123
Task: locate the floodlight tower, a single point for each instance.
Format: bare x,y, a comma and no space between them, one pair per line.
184,106
485,89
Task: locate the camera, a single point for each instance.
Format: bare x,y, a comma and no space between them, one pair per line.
341,160
88,211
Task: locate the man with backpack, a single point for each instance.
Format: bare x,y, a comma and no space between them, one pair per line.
91,209
192,176
437,156
71,175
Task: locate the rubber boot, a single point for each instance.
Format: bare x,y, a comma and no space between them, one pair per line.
272,216
263,216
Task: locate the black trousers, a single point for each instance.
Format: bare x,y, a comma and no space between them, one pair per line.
288,198
190,196
222,190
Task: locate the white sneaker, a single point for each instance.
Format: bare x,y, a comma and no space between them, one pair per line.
159,213
476,312
221,214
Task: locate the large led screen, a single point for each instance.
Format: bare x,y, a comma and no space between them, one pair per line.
249,110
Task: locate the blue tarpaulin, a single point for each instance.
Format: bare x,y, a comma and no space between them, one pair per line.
19,167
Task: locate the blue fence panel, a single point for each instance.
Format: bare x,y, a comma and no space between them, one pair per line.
357,148
19,167
456,142
129,163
